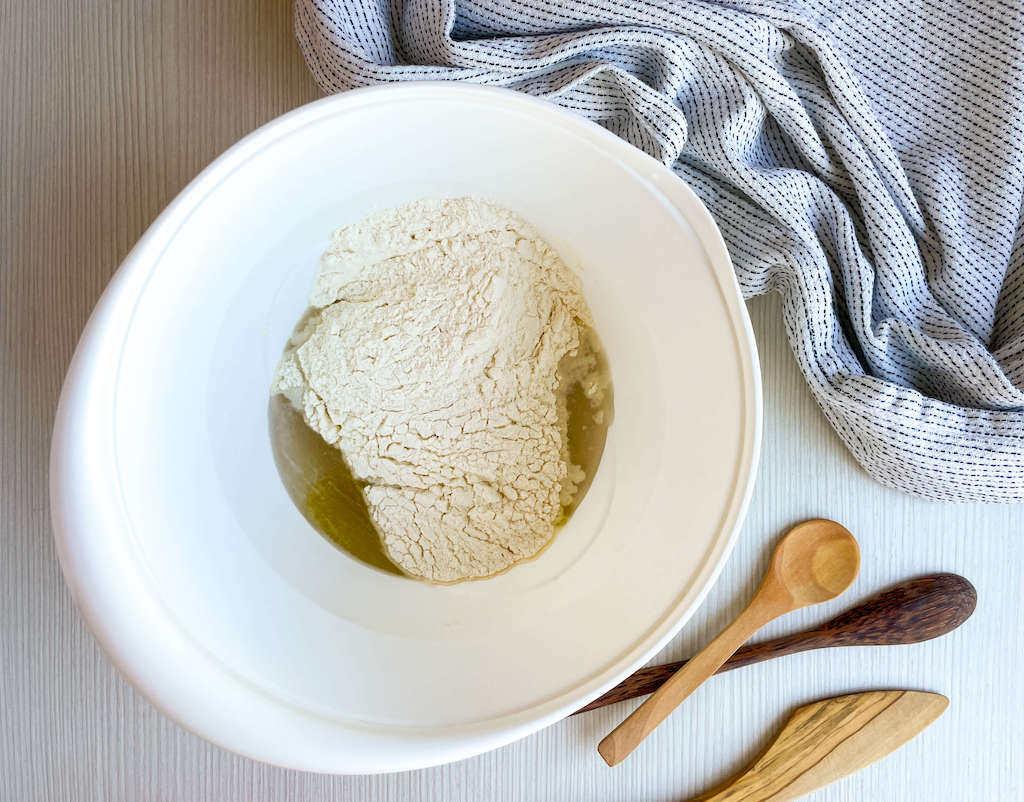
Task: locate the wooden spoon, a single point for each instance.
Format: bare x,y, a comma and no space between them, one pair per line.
825,741
910,612
815,562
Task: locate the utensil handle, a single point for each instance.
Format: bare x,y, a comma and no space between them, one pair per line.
645,681
621,741
910,612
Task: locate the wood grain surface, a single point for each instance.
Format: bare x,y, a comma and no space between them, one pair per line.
911,612
107,109
825,741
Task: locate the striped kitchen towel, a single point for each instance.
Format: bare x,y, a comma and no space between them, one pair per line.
865,160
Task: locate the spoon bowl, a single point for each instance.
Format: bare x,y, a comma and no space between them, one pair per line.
814,563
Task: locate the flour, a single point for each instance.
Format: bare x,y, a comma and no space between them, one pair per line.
443,337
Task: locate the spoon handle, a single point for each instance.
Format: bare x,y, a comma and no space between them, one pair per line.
621,741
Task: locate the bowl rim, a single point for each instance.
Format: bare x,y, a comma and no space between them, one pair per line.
142,638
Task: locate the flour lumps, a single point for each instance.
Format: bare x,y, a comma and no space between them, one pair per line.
436,358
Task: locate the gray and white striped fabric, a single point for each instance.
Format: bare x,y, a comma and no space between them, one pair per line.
865,160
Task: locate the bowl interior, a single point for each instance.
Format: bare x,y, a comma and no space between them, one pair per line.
257,588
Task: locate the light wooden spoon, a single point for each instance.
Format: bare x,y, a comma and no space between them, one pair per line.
815,562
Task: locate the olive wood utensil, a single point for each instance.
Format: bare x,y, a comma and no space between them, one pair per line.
825,741
815,562
911,612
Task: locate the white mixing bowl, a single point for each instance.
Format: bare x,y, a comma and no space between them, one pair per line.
206,585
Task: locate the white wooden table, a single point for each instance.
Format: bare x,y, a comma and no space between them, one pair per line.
105,113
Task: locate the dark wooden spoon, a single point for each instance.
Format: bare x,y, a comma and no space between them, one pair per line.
911,612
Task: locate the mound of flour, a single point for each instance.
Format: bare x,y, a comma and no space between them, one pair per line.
436,357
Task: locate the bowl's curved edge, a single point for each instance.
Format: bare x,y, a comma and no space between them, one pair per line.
707,231
79,501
